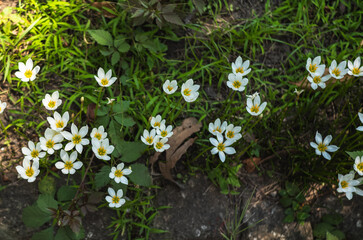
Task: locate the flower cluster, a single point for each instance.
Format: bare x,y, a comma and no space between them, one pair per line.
189,90
337,71
222,146
159,135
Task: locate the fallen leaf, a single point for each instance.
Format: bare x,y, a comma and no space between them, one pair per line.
103,7
251,163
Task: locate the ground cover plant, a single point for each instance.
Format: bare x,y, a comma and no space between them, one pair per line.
99,97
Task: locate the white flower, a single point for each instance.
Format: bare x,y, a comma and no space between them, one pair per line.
105,80
2,106
58,123
347,185
76,138
118,173
165,131
26,72
159,144
253,106
102,148
339,71
316,79
298,92
358,165
33,152
232,132
99,133
354,68
148,138
69,164
237,82
156,122
114,199
109,101
253,95
322,147
28,171
314,66
241,67
51,141
170,87
221,147
216,127
189,91
360,115
52,102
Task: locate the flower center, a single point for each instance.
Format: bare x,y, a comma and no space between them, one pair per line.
170,88
28,73
34,153
240,70
312,68
159,145
59,124
51,104
187,92
164,133
236,84
68,165
355,71
29,171
104,81
255,108
0,109
322,147
49,143
360,166
317,79
218,129
336,72
221,147
76,139
101,151
118,173
230,134
149,139
98,136
344,184
115,199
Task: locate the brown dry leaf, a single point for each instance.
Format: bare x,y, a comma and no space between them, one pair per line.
103,7
178,146
251,163
304,83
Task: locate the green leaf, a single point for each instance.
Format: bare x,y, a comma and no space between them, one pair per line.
140,175
332,218
339,234
102,37
104,120
289,218
321,229
291,189
125,120
173,18
65,233
33,216
115,58
131,151
102,177
107,52
199,5
330,236
47,185
124,47
103,110
46,234
46,201
295,205
66,193
118,41
301,216
355,154
285,201
121,107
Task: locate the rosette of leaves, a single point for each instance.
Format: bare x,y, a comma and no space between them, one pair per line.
328,227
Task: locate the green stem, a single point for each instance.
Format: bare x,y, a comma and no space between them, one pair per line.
170,118
98,101
225,102
200,154
4,131
177,114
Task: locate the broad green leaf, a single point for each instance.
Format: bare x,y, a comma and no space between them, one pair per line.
291,189
65,233
103,110
66,193
140,175
121,106
118,41
115,58
102,177
199,5
302,216
355,154
339,234
46,234
124,47
321,229
333,218
124,120
47,185
330,236
106,52
285,201
104,120
131,151
102,37
289,218
46,201
33,216
173,18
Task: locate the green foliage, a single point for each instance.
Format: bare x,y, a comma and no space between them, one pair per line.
226,178
140,175
66,193
46,234
47,185
328,227
102,177
355,154
33,216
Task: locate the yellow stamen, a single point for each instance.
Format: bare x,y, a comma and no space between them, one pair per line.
98,136
28,73
313,68
236,84
76,139
29,171
322,147
118,173
344,184
50,143
230,134
360,166
239,70
336,72
255,108
355,71
221,147
34,153
164,133
59,124
101,151
157,124
104,81
187,92
68,165
149,140
170,88
51,104
317,79
115,199
159,145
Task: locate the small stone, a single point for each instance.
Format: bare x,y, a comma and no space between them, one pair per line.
359,223
204,227
197,233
